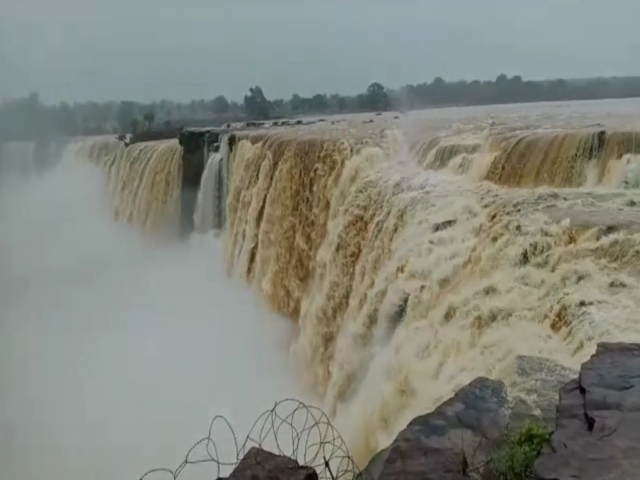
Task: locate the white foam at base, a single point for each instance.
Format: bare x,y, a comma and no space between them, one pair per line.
115,353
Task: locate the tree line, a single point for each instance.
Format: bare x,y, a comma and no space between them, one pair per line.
28,118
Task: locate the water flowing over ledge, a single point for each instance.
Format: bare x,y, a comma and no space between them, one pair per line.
407,283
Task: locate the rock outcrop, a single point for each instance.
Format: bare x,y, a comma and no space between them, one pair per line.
197,144
153,135
446,443
598,420
259,464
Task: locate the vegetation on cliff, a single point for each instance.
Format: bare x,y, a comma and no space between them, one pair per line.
514,461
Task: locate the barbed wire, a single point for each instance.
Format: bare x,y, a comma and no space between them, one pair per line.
291,428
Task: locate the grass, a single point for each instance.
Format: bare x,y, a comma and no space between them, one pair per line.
514,460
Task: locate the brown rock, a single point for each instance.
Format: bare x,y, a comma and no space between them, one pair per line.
598,420
259,464
449,442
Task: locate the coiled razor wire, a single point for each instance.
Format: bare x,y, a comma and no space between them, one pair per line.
310,437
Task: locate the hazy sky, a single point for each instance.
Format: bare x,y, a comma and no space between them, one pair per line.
152,49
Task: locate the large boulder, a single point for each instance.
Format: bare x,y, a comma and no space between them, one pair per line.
259,464
448,443
598,420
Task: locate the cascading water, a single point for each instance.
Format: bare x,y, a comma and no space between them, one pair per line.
406,284
210,210
405,281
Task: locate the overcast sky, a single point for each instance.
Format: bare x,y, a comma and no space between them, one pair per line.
151,49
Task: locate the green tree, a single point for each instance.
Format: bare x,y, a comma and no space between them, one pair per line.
296,103
319,103
220,105
342,104
149,117
256,105
502,82
376,97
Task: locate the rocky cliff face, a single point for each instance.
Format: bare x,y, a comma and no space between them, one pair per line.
595,422
196,145
597,435
446,443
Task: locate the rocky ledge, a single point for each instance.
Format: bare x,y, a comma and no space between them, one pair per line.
597,433
484,432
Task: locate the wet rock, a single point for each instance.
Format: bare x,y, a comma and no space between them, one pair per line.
447,443
438,227
154,135
598,420
259,464
399,313
533,390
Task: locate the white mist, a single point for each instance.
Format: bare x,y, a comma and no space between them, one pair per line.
116,353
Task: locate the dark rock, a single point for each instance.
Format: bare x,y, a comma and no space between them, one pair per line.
438,227
598,420
232,142
259,464
154,135
449,442
197,144
533,390
399,313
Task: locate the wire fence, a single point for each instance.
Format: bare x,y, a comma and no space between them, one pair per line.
291,428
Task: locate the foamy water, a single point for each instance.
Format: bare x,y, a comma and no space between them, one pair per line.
115,353
408,283
403,283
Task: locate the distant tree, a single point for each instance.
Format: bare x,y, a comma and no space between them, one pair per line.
27,118
135,124
319,103
376,97
220,105
66,119
149,117
438,83
256,105
277,106
296,103
234,108
502,82
126,114
342,104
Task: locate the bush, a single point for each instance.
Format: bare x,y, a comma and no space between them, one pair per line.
514,461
